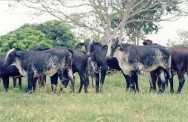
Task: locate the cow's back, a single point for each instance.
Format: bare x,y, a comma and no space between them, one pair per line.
79,60
179,58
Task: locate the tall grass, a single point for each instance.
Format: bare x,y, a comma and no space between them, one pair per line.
114,104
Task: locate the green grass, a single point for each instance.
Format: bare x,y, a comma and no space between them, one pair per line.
114,104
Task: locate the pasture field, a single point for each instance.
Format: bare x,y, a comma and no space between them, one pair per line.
113,105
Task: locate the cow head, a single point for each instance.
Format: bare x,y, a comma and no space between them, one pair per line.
147,42
87,43
112,46
11,57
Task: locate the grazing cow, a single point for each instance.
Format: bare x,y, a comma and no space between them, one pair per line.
10,71
79,64
53,62
154,74
97,52
180,63
132,58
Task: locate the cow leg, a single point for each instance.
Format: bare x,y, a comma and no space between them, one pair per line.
93,79
166,80
127,78
103,74
20,82
30,81
181,81
170,77
81,85
34,83
83,81
54,80
136,81
14,82
132,85
81,75
6,82
161,80
97,82
153,79
72,78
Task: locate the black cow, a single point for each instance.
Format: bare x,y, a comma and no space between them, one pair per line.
180,63
79,64
53,62
97,52
132,58
154,74
10,71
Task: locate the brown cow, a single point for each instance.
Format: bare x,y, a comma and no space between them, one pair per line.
180,63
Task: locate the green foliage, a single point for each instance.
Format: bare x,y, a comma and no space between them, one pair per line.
48,34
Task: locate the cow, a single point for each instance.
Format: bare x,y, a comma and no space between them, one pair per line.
10,71
54,62
97,52
154,74
179,64
133,58
80,65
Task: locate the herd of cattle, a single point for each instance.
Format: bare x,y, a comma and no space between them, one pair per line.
60,62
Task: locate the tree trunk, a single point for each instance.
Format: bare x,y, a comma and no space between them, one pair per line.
138,35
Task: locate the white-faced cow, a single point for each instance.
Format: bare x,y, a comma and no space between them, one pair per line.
132,58
53,62
97,52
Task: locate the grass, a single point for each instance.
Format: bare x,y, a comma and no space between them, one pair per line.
113,105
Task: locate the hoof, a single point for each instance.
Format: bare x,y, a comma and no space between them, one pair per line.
178,92
28,91
172,91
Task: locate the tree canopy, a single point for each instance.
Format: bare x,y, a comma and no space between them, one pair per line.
99,16
49,34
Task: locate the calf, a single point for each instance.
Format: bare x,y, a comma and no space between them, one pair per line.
132,58
97,52
53,62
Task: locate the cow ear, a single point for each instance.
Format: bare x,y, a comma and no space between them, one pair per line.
79,45
18,54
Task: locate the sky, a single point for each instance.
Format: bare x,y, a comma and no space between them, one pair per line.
11,19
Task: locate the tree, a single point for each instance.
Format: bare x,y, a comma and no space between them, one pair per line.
102,12
183,36
48,34
59,32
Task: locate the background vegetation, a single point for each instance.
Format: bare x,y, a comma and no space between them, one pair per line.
48,34
114,104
